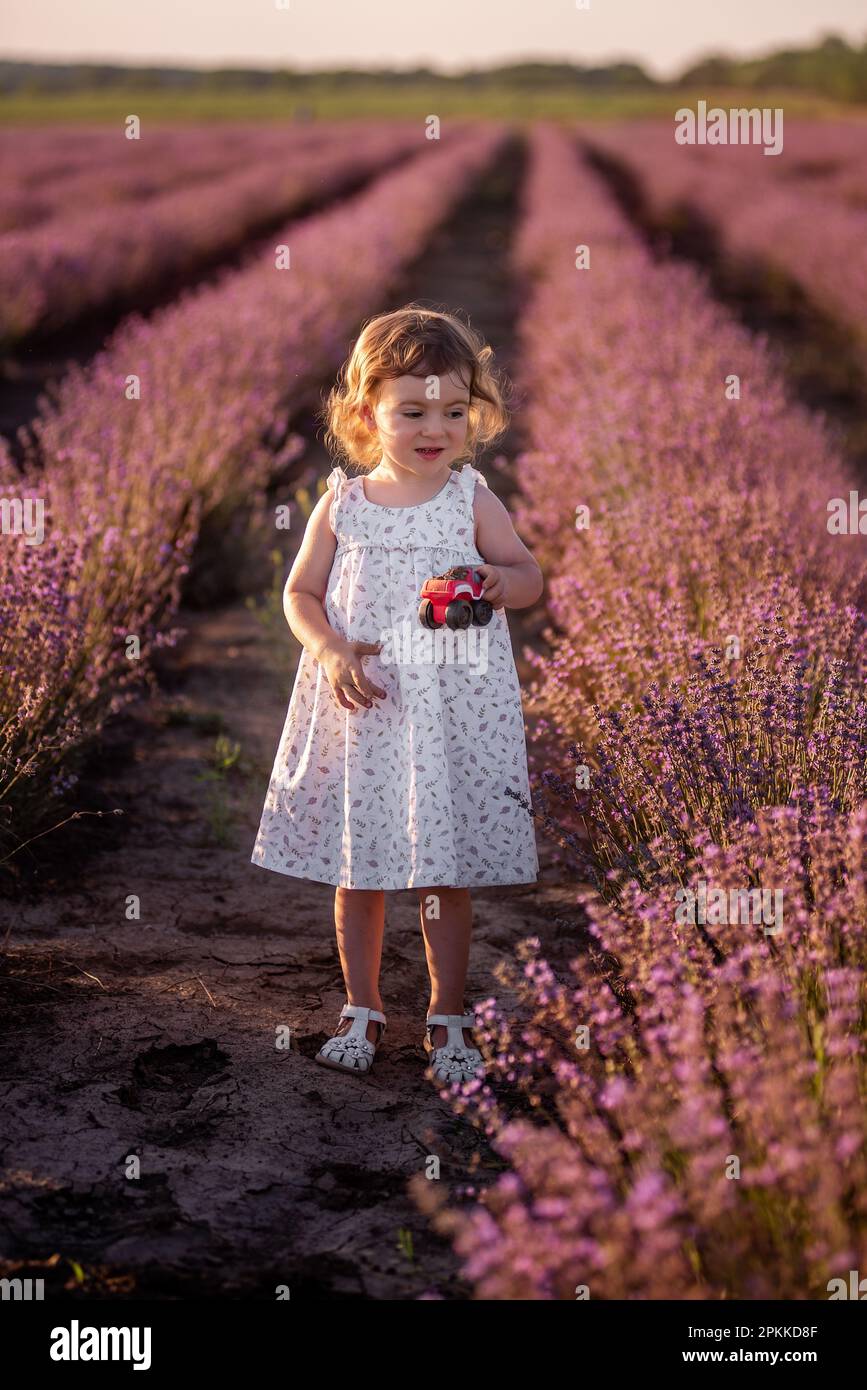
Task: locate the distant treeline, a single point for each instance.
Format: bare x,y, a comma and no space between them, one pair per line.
71,77
831,68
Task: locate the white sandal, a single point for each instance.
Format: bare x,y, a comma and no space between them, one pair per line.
454,1061
352,1050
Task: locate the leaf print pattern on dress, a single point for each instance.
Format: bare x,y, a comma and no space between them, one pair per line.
411,792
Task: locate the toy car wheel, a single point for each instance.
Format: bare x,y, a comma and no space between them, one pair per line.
426,614
483,611
459,613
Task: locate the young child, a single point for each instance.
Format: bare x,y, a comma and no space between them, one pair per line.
393,767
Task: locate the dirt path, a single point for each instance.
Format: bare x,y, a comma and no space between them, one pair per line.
156,1037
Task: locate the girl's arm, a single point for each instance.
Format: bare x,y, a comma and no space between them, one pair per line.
303,604
513,579
304,592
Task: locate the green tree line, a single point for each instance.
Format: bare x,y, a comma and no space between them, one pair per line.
832,68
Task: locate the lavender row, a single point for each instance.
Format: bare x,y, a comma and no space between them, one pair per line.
826,158
646,397
46,175
51,275
792,226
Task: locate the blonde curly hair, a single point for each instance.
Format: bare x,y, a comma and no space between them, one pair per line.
413,341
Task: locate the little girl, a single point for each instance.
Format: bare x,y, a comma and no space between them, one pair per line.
393,768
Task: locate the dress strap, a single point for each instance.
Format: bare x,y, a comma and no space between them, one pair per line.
338,482
469,477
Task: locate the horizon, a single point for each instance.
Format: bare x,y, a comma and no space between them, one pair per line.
218,34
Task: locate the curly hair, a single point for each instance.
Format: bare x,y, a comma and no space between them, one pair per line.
414,341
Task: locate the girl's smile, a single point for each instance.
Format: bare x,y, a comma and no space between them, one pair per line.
415,430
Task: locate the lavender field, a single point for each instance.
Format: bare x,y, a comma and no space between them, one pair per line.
674,1017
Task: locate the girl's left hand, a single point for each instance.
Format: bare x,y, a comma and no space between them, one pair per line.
494,587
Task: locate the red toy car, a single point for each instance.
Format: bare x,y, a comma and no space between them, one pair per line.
455,598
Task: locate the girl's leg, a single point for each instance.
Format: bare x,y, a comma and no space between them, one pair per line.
359,918
446,924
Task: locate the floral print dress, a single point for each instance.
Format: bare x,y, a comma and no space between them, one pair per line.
413,791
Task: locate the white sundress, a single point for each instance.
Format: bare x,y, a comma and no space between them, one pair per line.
411,792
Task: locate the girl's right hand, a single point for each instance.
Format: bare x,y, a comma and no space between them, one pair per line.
341,662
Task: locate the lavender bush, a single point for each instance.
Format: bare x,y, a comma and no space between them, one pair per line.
692,1122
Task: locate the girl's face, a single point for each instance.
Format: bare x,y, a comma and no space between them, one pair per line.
416,433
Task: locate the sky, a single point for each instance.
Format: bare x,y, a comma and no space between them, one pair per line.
662,35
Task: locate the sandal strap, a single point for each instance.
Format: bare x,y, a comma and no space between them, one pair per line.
454,1049
359,1011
